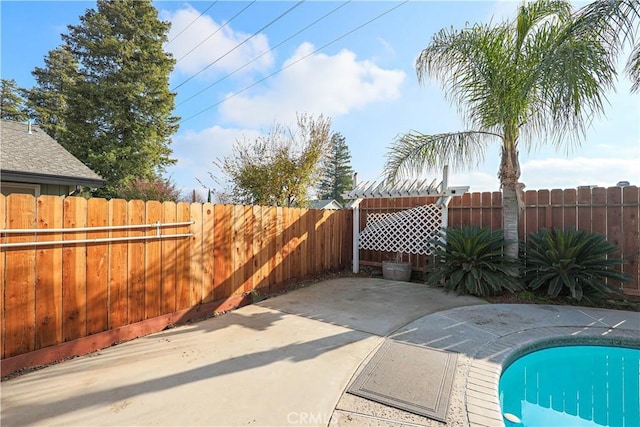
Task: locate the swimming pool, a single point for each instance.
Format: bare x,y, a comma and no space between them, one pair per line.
573,385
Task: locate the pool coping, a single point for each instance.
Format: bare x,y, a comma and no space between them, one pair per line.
481,391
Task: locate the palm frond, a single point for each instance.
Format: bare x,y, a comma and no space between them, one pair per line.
473,66
633,68
614,23
414,152
534,14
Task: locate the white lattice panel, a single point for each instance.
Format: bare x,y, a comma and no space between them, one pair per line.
408,231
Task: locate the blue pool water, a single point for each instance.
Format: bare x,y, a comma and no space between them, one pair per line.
573,386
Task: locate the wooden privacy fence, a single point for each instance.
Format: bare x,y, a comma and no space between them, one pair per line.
58,293
612,212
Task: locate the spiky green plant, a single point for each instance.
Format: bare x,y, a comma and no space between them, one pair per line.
471,260
573,262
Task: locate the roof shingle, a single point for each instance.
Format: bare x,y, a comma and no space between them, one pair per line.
37,154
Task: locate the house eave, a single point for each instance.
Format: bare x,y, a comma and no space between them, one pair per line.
35,178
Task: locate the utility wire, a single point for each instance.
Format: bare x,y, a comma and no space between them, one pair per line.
264,53
243,42
191,23
216,31
293,63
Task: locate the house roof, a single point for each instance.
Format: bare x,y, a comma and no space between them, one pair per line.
324,204
37,158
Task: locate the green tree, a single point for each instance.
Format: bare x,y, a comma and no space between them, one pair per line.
55,84
531,80
104,94
278,169
12,101
337,172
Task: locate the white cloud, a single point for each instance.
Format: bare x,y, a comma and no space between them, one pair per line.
196,152
319,84
555,172
214,47
476,180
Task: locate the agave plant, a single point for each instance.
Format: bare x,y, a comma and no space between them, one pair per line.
471,260
571,261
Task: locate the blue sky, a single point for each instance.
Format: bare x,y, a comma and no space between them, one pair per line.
364,81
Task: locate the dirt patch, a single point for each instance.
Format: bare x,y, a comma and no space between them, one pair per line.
627,303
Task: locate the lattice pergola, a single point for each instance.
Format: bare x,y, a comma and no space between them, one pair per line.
408,231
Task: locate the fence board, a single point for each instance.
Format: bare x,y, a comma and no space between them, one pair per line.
614,223
272,245
531,213
265,271
219,252
3,270
135,274
289,243
614,231
237,277
487,211
153,262
118,261
195,258
544,209
557,213
584,209
325,243
304,242
20,278
183,280
455,212
74,272
631,233
97,268
496,213
279,238
257,249
169,256
207,251
249,260
599,211
48,284
297,241
476,210
569,201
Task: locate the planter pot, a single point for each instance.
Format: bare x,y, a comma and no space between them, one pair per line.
399,271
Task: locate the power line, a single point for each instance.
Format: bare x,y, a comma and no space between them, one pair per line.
243,42
191,23
295,62
216,31
264,53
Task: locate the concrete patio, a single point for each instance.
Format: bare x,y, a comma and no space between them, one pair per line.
288,360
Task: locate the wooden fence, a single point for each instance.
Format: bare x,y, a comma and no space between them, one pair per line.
612,212
61,293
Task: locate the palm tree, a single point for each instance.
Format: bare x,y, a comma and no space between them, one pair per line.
532,80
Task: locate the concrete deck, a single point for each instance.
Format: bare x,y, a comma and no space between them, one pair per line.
288,360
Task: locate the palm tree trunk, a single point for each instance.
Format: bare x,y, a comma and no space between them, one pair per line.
509,174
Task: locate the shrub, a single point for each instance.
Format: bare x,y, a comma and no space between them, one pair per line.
571,262
155,188
471,260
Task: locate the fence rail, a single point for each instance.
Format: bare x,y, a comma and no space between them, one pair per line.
612,212
98,272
